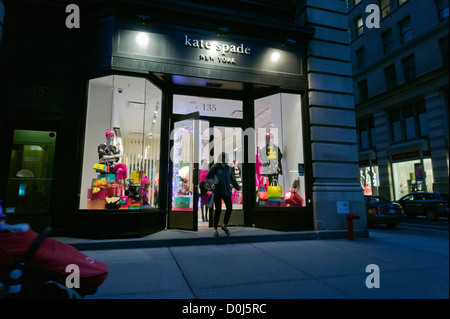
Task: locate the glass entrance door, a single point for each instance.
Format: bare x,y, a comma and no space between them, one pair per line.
229,139
184,168
30,176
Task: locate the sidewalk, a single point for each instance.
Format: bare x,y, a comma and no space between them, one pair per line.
280,267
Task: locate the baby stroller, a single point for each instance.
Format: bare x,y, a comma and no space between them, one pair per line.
35,267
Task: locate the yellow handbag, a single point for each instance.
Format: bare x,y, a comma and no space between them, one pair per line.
102,168
274,191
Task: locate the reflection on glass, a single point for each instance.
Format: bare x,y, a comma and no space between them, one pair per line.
183,165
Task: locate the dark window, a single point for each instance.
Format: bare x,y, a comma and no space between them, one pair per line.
444,49
363,91
405,30
409,122
422,118
366,134
409,68
391,77
401,2
396,126
361,58
388,41
443,9
2,20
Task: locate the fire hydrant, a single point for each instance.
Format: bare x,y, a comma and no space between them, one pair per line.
350,218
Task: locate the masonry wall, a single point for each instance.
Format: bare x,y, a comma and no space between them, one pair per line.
332,115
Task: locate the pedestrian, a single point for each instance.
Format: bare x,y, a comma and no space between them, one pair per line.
222,190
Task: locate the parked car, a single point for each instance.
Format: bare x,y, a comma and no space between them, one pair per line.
382,211
432,205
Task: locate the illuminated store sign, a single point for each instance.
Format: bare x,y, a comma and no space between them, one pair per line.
219,52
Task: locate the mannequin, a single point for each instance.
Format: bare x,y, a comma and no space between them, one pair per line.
203,191
271,159
237,174
108,153
145,191
258,168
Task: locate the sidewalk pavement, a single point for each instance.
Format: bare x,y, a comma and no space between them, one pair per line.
260,264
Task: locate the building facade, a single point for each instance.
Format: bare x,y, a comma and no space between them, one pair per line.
401,93
114,111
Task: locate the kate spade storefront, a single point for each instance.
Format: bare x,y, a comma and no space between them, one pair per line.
119,120
173,98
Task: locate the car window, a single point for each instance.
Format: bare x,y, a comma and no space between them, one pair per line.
408,197
418,197
429,196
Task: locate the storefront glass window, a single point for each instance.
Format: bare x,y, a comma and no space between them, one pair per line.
122,144
369,179
280,169
411,176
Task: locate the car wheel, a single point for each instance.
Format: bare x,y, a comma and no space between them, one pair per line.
430,214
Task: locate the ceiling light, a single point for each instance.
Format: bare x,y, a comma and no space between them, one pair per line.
142,39
275,56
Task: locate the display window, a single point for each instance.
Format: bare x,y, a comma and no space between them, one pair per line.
412,176
280,164
121,156
369,179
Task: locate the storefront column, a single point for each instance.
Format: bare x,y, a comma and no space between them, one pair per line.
332,117
435,104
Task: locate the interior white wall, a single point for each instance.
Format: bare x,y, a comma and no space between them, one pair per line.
98,120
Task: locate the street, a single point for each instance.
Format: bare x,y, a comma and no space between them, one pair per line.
420,226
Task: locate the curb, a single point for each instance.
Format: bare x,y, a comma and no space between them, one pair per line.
222,240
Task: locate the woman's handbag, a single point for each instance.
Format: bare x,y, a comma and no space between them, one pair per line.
210,201
211,181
